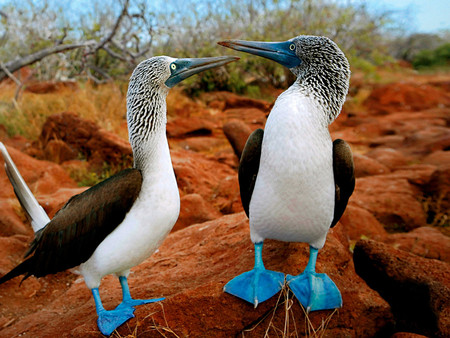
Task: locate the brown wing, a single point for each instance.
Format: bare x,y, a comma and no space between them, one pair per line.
249,166
81,225
344,177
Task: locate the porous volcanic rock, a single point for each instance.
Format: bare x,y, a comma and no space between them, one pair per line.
406,97
417,288
230,100
51,185
189,126
237,133
393,201
190,270
216,182
357,222
366,166
193,210
426,242
83,136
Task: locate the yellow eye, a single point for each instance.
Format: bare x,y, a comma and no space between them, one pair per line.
173,66
292,46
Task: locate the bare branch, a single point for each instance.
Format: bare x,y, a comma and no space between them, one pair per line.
114,54
114,30
9,74
100,71
27,60
60,41
15,79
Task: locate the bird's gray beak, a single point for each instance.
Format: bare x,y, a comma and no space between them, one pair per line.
281,52
183,68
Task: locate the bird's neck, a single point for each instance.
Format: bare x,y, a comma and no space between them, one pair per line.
147,129
327,87
152,155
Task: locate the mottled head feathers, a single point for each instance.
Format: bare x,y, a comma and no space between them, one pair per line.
324,72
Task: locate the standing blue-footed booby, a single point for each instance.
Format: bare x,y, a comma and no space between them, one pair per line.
294,181
121,221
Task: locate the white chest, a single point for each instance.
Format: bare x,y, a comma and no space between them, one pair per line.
293,199
146,225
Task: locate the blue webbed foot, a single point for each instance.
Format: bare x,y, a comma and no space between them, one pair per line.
257,285
316,291
108,321
127,300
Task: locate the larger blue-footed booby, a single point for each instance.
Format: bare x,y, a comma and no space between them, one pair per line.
121,221
294,181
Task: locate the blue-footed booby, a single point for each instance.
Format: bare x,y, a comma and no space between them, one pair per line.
121,221
294,181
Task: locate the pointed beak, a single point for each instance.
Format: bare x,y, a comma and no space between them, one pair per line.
280,52
183,68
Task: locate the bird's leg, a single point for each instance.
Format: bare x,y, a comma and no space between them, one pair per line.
315,291
127,301
257,285
108,321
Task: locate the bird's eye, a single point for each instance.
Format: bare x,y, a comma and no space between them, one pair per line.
173,66
292,46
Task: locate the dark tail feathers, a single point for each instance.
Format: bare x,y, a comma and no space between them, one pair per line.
22,268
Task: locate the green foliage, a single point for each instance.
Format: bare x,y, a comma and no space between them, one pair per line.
436,58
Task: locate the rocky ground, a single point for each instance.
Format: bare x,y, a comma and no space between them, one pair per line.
389,255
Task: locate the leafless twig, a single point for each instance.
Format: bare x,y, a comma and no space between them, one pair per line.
17,64
15,79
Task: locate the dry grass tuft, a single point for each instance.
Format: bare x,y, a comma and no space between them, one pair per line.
163,330
103,104
285,303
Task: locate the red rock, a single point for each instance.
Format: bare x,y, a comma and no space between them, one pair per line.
357,222
438,158
12,251
438,192
389,141
237,133
42,177
59,151
425,242
426,141
51,185
190,270
394,202
193,210
234,101
50,87
389,157
407,335
12,219
189,126
366,166
215,182
254,117
417,288
201,143
405,96
97,145
417,174
180,104
227,157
